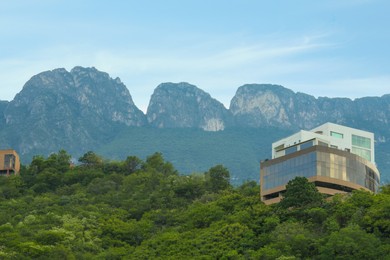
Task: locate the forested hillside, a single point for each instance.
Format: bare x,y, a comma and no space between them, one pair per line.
194,150
135,209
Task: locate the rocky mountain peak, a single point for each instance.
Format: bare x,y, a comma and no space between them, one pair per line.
185,105
98,93
262,104
82,105
89,90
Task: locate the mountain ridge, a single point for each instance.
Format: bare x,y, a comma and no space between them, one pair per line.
85,109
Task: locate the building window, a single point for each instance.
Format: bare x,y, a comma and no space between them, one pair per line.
9,161
361,141
322,144
282,172
336,135
306,145
291,149
366,154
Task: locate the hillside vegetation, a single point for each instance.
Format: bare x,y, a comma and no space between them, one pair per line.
135,209
238,149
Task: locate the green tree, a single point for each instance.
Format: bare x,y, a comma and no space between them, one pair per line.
130,232
292,238
11,187
189,187
300,193
218,178
91,159
352,243
249,188
385,189
156,162
377,218
132,164
48,179
101,186
202,215
37,164
60,161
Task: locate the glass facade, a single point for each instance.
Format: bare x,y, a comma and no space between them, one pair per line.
306,145
339,167
361,141
291,149
366,154
281,173
361,146
349,168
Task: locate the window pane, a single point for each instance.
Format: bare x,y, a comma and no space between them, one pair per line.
361,141
291,149
9,161
366,154
337,135
306,145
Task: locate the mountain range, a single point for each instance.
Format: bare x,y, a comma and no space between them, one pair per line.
85,109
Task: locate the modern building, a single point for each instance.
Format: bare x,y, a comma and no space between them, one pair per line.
9,162
338,159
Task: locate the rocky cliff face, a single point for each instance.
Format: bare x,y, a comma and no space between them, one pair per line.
3,106
258,105
184,105
72,110
98,94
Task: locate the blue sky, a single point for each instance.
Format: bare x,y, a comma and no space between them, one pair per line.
334,48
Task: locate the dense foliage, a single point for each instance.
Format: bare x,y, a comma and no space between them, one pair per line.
195,150
134,209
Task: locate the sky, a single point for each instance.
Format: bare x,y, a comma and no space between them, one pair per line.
333,48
